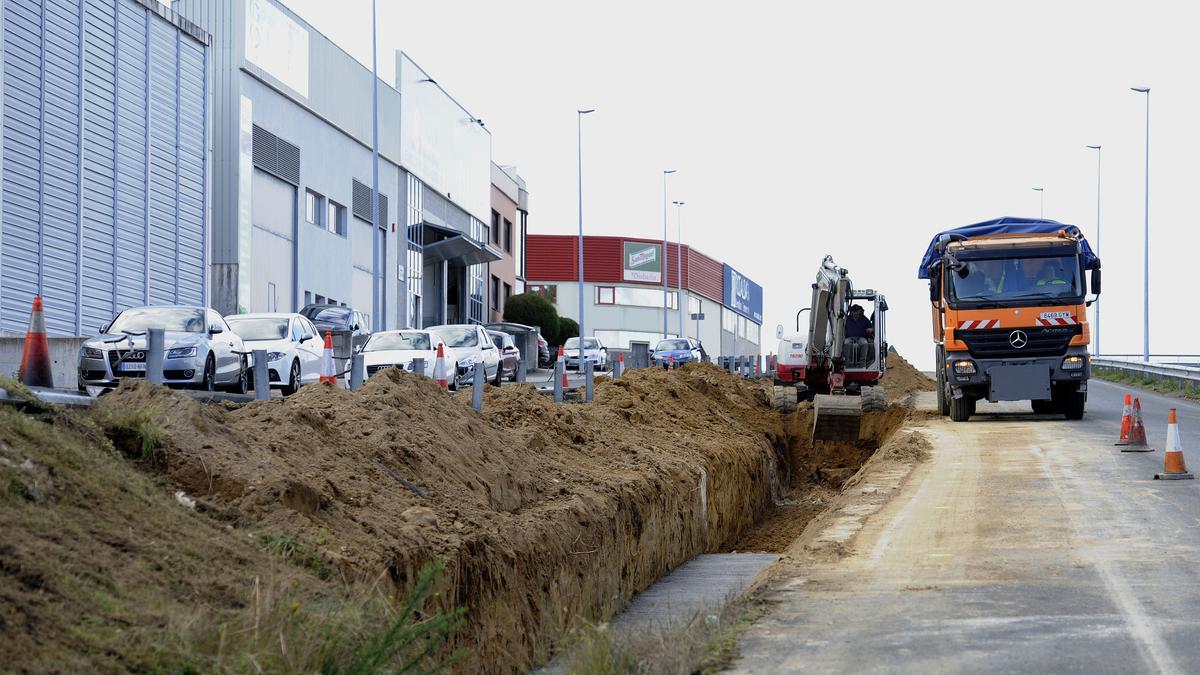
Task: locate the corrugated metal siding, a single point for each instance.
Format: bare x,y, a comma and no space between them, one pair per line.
601,258
79,100
550,257
707,275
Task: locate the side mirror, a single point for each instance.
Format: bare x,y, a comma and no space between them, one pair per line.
1096,280
779,331
934,295
214,329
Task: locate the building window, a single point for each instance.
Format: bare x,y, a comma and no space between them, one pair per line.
693,305
336,218
507,294
643,297
495,292
508,235
314,208
476,290
606,295
495,228
728,321
547,291
308,297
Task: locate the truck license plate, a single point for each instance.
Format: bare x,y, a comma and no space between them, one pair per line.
133,367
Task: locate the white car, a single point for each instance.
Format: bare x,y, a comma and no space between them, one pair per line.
293,346
400,349
593,350
468,346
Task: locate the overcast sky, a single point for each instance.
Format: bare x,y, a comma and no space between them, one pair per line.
856,129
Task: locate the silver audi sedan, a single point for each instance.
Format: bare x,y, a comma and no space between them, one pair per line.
201,350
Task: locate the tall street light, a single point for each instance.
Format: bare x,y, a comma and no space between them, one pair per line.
1146,245
666,305
679,259
376,267
1041,202
579,144
1096,349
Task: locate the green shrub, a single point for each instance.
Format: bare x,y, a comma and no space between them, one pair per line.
532,309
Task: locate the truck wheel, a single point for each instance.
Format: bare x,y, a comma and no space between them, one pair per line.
1072,404
961,408
943,398
873,399
784,399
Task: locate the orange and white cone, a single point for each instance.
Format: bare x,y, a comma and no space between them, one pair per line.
1137,436
563,359
327,372
439,369
35,357
1173,466
1126,421
672,366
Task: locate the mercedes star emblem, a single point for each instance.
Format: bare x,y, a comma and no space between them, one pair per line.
1018,339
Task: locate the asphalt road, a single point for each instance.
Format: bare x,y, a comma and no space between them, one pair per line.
1025,544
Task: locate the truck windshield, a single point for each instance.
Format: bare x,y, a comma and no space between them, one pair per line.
1018,279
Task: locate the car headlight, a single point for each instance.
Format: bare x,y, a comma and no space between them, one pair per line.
92,353
1072,363
275,356
181,352
467,361
964,367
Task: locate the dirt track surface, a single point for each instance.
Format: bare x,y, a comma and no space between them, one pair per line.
1025,544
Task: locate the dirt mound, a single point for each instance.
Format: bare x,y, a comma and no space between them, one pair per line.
543,513
902,379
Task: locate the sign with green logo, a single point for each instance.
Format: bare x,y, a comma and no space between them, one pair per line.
643,262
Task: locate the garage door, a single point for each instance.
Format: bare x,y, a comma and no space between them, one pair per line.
272,248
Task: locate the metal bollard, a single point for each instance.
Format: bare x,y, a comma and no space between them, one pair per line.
419,367
262,379
589,382
477,388
521,370
156,349
558,376
618,367
356,371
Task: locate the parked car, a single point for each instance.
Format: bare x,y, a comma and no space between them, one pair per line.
685,350
519,330
593,350
509,354
468,347
399,349
544,360
293,345
201,350
348,325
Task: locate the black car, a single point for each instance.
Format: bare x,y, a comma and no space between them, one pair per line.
349,326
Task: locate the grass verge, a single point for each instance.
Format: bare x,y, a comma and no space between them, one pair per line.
1136,380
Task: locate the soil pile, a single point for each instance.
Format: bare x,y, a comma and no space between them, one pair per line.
543,513
902,379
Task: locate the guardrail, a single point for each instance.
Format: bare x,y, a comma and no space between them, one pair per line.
1182,376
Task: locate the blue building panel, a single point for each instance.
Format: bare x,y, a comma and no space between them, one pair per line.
743,296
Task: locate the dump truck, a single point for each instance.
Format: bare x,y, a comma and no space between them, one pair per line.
840,375
1009,299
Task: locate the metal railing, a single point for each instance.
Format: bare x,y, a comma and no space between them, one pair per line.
1183,376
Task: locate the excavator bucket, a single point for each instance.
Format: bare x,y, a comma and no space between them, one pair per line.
836,418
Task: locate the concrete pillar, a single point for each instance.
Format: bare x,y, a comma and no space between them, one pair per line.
558,376
262,379
589,381
155,351
356,371
521,370
477,388
419,367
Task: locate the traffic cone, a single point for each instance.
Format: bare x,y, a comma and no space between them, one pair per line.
439,369
1137,437
35,358
1173,466
327,372
672,366
563,359
1126,421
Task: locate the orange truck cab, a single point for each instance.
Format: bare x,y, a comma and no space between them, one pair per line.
1009,299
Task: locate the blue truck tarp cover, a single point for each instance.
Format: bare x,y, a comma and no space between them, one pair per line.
1006,225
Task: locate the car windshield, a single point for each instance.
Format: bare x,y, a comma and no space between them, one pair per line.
176,319
671,345
410,340
258,329
339,315
588,343
1018,278
459,336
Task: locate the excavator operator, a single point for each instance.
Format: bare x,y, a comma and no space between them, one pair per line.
859,330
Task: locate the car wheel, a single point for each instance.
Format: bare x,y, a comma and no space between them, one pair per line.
242,384
293,383
209,381
499,374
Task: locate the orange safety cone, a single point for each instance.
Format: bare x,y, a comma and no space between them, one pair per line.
1173,466
1126,421
327,372
562,357
439,369
35,358
1137,436
672,366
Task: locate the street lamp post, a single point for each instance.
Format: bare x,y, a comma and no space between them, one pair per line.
376,267
1041,202
679,259
666,305
1097,327
579,145
1146,235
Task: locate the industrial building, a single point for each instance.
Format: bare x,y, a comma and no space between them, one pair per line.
623,292
105,173
510,215
291,207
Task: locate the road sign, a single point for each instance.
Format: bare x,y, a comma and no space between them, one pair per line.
699,316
